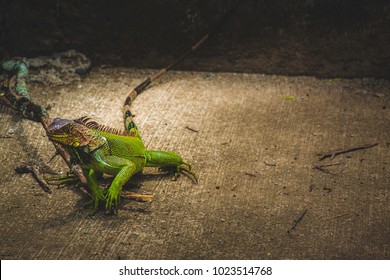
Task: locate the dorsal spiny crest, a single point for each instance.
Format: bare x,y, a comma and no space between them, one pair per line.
88,122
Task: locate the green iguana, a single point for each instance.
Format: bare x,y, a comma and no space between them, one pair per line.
98,149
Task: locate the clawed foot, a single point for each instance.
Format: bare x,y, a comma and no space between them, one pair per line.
112,201
62,180
185,169
95,201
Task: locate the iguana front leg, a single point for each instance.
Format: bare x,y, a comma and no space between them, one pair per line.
96,191
127,170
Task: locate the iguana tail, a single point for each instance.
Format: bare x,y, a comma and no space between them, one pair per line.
127,115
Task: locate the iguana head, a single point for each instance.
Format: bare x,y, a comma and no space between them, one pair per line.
73,134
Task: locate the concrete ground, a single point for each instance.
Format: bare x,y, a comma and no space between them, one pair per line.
253,141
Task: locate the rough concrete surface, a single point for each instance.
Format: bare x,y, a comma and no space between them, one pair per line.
254,148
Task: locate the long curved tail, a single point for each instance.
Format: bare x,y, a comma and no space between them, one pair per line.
127,115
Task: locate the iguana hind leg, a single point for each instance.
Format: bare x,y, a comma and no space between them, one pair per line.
169,161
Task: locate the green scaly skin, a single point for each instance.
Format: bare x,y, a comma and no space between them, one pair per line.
99,149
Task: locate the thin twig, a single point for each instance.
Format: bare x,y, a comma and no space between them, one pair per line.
269,164
191,129
341,215
137,196
334,153
328,190
320,167
53,157
38,176
296,222
35,170
227,142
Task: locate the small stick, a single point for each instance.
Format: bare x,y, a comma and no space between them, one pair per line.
53,157
296,222
35,170
341,215
334,153
226,143
328,190
5,136
191,129
269,164
321,167
250,174
38,176
137,196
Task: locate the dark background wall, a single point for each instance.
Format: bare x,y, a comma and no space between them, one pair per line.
328,38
